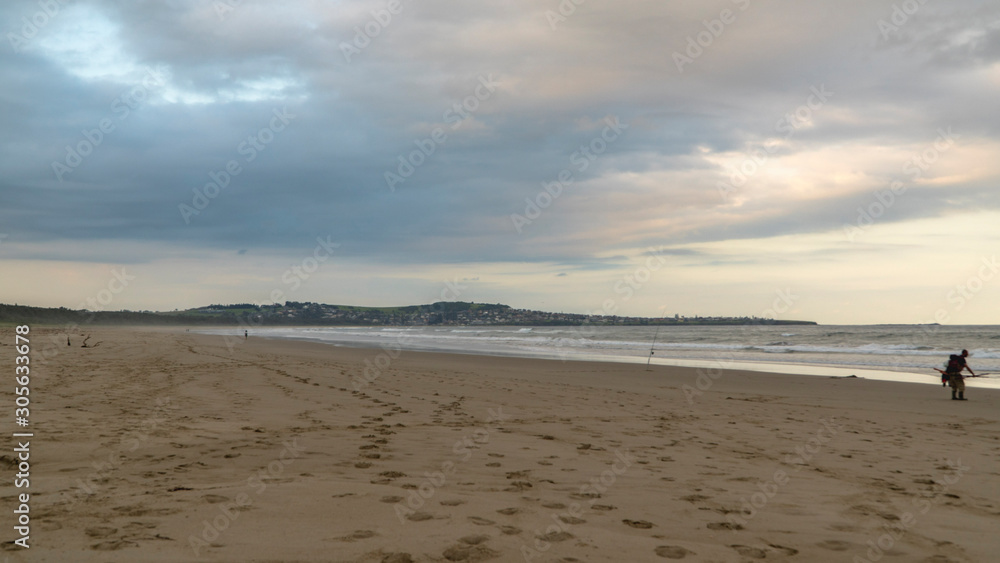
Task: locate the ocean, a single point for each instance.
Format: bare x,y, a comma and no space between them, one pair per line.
890,352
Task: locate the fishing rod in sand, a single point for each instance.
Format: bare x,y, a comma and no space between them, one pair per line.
650,358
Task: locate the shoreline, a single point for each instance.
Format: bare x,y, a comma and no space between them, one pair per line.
774,367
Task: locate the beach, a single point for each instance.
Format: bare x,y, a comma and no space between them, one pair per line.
166,445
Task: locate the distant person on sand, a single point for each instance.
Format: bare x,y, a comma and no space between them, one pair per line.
956,363
246,335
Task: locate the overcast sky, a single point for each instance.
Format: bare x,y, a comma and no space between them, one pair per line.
832,160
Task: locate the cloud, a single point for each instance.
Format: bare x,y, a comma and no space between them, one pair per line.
751,88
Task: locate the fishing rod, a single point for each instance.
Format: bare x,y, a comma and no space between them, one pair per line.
650,358
943,372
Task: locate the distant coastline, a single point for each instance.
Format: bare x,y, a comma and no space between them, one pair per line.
293,313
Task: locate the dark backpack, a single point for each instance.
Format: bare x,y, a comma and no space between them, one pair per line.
955,364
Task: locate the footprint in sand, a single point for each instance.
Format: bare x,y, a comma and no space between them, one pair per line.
640,524
510,530
834,545
554,505
724,526
358,535
672,552
481,521
572,520
509,511
398,558
787,551
603,507
113,545
556,536
419,517
751,552
469,554
100,531
392,499
452,502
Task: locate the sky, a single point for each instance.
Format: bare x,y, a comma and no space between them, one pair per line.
833,160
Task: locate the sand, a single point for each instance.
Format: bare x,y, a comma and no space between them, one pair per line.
165,445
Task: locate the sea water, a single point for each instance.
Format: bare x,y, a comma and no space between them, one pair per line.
894,352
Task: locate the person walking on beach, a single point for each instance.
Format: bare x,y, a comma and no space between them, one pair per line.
246,335
956,363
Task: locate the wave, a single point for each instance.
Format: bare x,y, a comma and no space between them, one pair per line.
864,346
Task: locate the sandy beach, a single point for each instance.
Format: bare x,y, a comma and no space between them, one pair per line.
165,445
